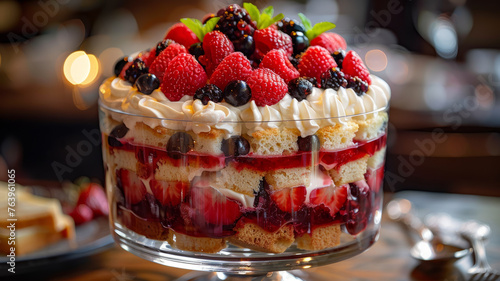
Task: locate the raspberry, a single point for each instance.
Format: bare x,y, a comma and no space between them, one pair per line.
160,64
148,56
181,34
353,66
330,41
267,87
270,39
183,76
234,67
315,61
277,61
216,46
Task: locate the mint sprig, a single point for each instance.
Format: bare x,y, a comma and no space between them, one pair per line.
199,28
314,31
265,18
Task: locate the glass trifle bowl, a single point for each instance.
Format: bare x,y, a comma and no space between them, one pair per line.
241,160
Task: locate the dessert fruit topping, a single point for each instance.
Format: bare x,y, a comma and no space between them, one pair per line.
290,199
314,31
147,83
134,70
237,93
213,207
119,65
339,57
299,88
161,62
267,87
131,185
209,92
181,34
358,86
169,193
315,61
184,75
333,197
352,66
118,132
309,143
330,41
333,78
277,61
233,67
216,47
235,146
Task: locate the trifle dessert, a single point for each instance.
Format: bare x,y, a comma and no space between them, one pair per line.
246,129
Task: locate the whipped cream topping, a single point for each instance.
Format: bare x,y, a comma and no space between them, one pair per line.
320,108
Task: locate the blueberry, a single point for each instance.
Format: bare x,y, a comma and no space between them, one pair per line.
119,131
162,46
338,56
309,143
119,65
178,144
299,41
237,93
299,88
288,25
333,78
359,86
114,142
246,45
196,50
235,146
208,93
147,83
135,70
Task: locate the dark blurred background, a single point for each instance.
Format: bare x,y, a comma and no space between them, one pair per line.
441,59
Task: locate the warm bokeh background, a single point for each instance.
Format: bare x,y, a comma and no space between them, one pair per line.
441,59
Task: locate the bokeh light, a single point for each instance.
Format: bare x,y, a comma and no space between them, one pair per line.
376,60
80,68
10,12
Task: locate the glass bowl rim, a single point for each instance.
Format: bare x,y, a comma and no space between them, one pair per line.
103,106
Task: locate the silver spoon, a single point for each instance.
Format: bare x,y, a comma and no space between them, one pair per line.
430,249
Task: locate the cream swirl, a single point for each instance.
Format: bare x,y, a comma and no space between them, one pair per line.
321,108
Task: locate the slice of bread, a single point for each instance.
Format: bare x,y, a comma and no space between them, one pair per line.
321,237
252,236
350,171
197,244
274,141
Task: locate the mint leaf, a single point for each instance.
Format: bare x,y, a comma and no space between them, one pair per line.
199,28
253,11
314,31
305,21
265,18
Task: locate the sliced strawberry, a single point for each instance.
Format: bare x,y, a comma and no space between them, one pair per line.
290,199
95,198
181,34
332,197
132,186
213,206
81,214
169,193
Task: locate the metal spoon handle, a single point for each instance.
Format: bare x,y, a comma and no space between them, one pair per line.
401,210
477,233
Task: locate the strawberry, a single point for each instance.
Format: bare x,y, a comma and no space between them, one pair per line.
81,214
216,47
315,61
234,67
184,75
330,41
353,66
213,206
133,188
290,199
332,197
267,87
160,64
277,61
181,34
271,39
94,197
169,193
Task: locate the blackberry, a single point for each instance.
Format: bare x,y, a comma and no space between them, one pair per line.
299,41
135,70
299,88
333,78
359,86
235,22
295,60
338,56
208,93
163,45
196,50
119,65
288,25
